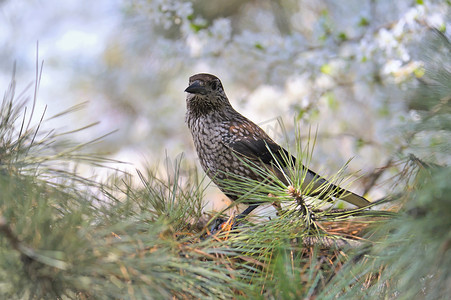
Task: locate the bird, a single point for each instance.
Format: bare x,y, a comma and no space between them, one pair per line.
225,140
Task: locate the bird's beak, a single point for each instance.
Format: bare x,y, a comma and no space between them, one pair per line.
196,88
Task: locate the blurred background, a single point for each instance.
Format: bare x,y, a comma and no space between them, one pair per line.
339,67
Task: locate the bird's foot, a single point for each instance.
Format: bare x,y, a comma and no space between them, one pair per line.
232,223
223,225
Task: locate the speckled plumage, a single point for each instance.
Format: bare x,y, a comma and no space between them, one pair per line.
221,134
215,126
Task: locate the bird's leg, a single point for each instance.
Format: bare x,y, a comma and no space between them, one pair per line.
220,223
247,211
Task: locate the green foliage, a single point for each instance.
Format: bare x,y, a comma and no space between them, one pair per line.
409,256
259,46
342,36
332,101
65,236
364,22
326,69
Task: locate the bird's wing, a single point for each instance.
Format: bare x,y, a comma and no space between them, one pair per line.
271,154
267,152
262,150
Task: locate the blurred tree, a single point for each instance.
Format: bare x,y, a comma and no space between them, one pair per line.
328,64
409,257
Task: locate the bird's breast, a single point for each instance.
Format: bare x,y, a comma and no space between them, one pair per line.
211,140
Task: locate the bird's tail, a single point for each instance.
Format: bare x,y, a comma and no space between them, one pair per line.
323,189
353,198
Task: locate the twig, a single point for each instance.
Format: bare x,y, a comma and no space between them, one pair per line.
330,243
14,240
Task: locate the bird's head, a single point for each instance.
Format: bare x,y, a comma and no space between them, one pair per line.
205,93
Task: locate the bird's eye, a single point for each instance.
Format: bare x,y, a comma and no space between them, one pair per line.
214,85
